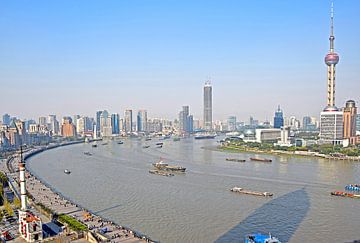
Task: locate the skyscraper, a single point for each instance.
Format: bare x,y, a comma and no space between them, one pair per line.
349,116
141,121
208,106
331,119
6,119
231,123
128,121
115,123
185,120
98,115
278,118
358,122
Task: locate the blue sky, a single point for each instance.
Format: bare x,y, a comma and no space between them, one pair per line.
76,57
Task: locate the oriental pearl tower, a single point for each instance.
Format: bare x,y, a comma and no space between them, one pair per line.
331,59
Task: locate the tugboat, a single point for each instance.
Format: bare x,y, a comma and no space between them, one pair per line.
161,165
66,171
260,238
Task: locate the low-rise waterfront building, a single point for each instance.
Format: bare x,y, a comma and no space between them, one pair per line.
267,135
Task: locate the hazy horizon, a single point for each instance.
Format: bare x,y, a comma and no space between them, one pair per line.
70,57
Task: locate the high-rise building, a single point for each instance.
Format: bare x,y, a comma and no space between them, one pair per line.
42,121
115,123
278,118
306,122
98,115
141,121
128,121
186,121
358,122
53,124
68,128
331,119
231,123
349,116
208,106
6,119
105,124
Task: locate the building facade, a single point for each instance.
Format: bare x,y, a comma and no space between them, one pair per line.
208,106
128,123
278,118
142,121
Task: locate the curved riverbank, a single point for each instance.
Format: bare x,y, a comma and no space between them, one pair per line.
48,197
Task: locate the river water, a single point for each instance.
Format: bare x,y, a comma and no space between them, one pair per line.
197,206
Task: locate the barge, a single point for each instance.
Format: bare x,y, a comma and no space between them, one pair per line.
161,165
345,194
241,190
235,160
260,159
159,172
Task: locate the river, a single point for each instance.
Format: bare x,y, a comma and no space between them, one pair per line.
197,206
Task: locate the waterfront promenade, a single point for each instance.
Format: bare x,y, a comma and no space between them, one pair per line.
103,230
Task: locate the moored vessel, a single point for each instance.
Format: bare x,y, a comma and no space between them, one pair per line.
260,159
261,238
205,136
241,190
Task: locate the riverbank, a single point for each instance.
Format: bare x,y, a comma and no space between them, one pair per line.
53,203
299,154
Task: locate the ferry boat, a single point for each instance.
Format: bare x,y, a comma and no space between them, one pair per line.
260,160
345,194
159,172
66,171
235,160
161,165
352,187
205,136
241,190
260,238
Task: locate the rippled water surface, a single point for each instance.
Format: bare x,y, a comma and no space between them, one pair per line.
198,206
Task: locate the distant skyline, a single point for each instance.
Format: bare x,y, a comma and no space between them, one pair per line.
77,57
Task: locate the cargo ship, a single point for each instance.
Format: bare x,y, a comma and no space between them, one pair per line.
260,238
235,160
345,194
161,165
260,160
241,190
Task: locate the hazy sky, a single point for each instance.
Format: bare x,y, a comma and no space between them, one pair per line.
76,57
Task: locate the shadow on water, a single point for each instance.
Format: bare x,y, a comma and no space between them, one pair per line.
280,216
107,209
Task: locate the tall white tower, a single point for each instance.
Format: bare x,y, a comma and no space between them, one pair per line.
30,226
208,106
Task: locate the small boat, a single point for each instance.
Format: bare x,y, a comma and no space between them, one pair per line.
205,136
176,139
260,160
94,145
120,142
88,153
241,190
146,146
104,144
66,171
147,139
260,238
159,172
235,160
352,187
345,194
158,144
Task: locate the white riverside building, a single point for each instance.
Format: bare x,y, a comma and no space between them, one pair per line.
331,127
267,135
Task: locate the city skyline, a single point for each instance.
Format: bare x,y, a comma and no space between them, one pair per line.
86,78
